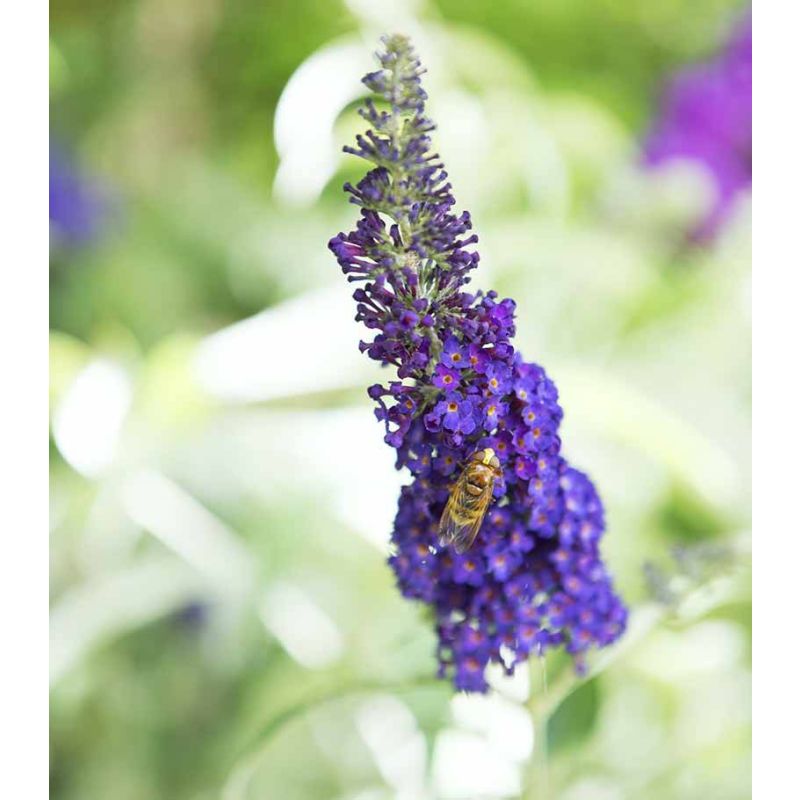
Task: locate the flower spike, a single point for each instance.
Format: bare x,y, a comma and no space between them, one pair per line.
534,577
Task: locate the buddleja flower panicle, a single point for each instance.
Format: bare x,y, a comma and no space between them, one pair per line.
706,116
533,578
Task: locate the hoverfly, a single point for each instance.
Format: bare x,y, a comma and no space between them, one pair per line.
469,498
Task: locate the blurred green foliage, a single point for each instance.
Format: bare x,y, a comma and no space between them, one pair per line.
223,623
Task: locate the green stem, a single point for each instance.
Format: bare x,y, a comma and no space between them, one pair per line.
537,782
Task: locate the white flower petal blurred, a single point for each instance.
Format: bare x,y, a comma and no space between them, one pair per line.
88,420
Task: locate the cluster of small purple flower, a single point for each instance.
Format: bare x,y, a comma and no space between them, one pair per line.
534,577
707,116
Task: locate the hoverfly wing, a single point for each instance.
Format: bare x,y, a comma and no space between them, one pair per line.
449,524
452,519
466,534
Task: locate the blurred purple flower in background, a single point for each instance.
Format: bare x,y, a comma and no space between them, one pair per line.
534,577
706,116
77,205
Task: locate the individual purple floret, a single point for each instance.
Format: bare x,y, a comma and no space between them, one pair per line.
534,577
706,116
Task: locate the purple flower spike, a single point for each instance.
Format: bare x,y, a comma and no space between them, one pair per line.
534,578
706,116
78,207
